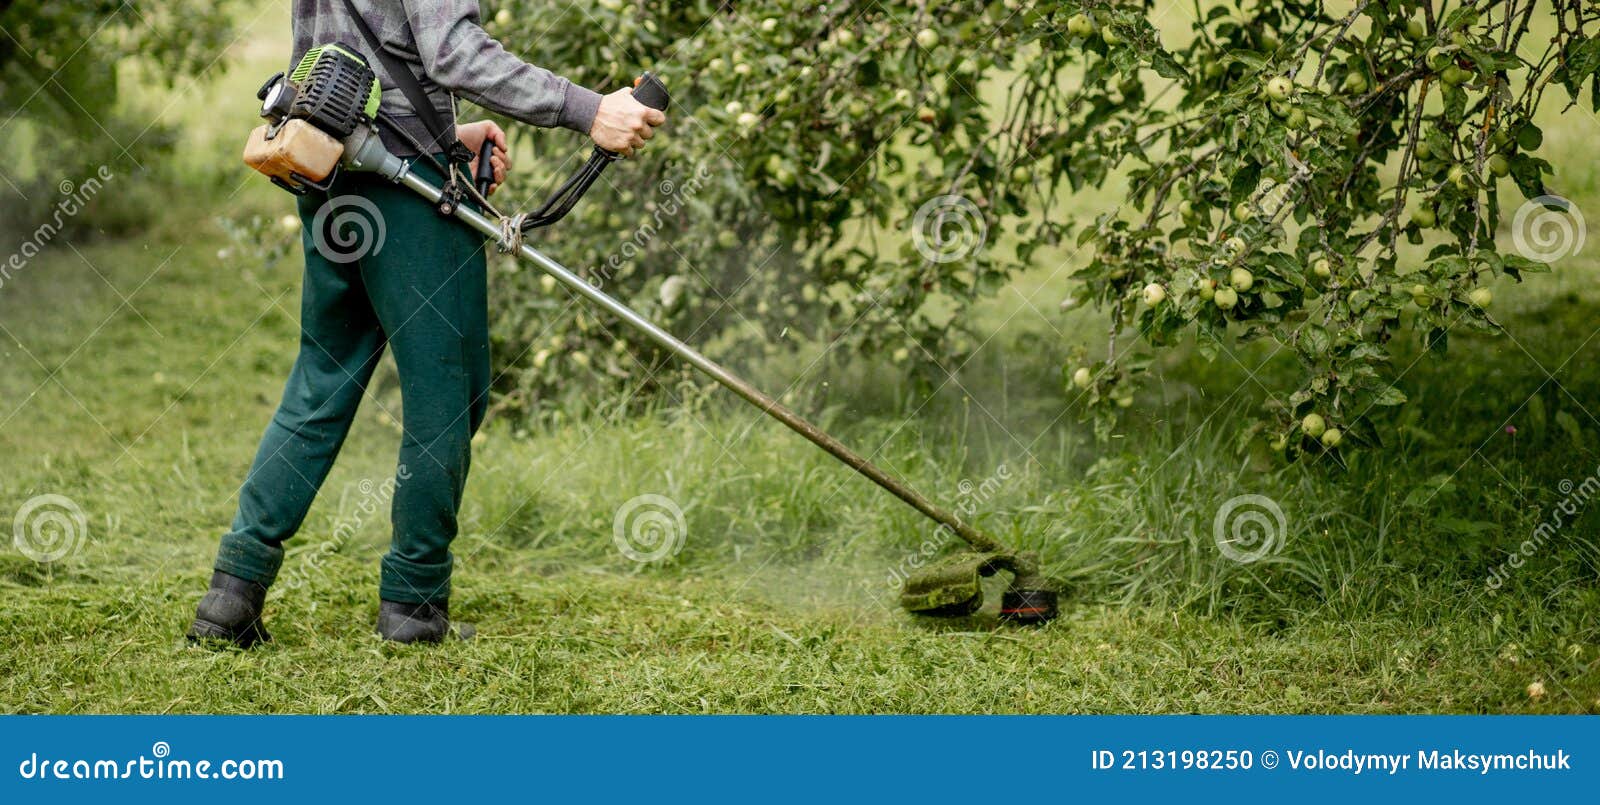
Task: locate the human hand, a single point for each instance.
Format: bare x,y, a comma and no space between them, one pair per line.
623,124
473,135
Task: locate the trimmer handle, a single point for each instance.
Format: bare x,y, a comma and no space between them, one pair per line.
648,90
485,175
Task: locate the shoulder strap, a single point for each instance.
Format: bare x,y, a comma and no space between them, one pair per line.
444,136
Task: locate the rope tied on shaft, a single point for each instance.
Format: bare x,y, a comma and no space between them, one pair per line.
511,233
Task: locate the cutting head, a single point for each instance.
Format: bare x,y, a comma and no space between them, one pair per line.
952,587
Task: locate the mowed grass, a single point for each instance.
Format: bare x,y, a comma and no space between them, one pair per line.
137,374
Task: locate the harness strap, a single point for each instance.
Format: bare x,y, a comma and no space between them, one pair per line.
444,137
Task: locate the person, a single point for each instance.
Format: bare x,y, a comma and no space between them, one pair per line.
420,293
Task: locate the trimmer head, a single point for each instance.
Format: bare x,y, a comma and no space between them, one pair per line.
952,587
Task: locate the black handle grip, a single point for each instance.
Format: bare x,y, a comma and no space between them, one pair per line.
649,91
485,175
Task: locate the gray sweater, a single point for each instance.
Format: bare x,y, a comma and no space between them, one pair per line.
452,55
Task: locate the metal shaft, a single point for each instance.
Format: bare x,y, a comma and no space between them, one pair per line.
977,539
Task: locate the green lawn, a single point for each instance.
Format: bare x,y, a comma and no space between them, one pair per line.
138,372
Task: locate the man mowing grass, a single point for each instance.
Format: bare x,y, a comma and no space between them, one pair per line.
422,292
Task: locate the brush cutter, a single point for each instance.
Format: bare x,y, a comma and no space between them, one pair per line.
323,118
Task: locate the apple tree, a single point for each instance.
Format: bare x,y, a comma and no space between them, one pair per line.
1320,175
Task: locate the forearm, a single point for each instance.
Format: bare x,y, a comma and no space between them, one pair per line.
460,56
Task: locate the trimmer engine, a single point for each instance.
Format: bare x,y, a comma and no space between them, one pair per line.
330,93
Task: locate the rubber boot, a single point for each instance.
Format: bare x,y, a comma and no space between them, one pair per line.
400,622
230,613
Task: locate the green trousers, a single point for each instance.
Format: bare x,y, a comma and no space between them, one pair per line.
405,278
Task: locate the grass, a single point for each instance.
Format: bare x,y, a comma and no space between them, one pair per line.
138,372
779,600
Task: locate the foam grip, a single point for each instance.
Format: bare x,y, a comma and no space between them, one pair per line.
648,90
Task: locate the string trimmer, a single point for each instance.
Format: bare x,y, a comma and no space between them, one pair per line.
323,118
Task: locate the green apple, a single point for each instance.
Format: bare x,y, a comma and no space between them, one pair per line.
1314,425
1415,30
1243,212
1459,177
1125,401
1082,378
1499,165
1154,294
1455,76
1225,298
1355,83
1481,297
1423,217
1241,279
1296,119
671,292
1322,268
1080,25
1207,289
1109,36
1331,438
1279,88
927,38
